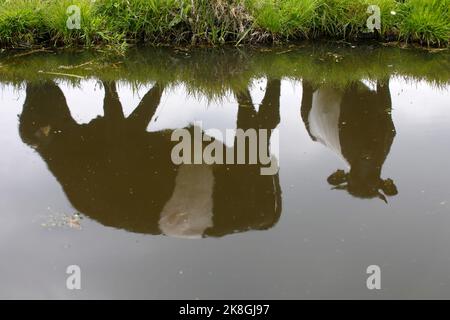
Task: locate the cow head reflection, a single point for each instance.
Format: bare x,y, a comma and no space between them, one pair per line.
356,123
117,173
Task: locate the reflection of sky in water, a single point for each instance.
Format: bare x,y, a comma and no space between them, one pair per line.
320,247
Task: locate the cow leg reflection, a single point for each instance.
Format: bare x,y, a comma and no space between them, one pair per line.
112,107
142,115
243,198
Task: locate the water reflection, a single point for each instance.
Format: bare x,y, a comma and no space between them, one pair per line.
355,123
117,173
120,177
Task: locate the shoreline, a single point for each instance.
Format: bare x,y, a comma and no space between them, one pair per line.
284,47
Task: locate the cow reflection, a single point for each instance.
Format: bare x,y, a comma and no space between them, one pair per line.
117,173
355,123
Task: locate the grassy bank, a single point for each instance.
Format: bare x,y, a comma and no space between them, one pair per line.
118,23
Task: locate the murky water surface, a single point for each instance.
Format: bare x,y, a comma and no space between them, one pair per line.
360,136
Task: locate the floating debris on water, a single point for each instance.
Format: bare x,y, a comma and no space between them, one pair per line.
62,220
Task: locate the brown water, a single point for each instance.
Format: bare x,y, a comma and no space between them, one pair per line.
87,180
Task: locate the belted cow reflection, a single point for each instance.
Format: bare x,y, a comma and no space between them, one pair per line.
355,123
117,173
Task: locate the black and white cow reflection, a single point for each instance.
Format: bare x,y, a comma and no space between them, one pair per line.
356,124
122,176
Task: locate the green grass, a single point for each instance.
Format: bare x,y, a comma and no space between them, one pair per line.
285,17
427,22
118,23
347,18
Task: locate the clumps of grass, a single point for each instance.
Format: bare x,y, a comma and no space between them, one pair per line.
176,21
24,23
343,19
218,21
348,18
117,23
426,21
20,21
285,18
139,20
56,23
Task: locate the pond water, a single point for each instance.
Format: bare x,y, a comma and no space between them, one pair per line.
360,137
